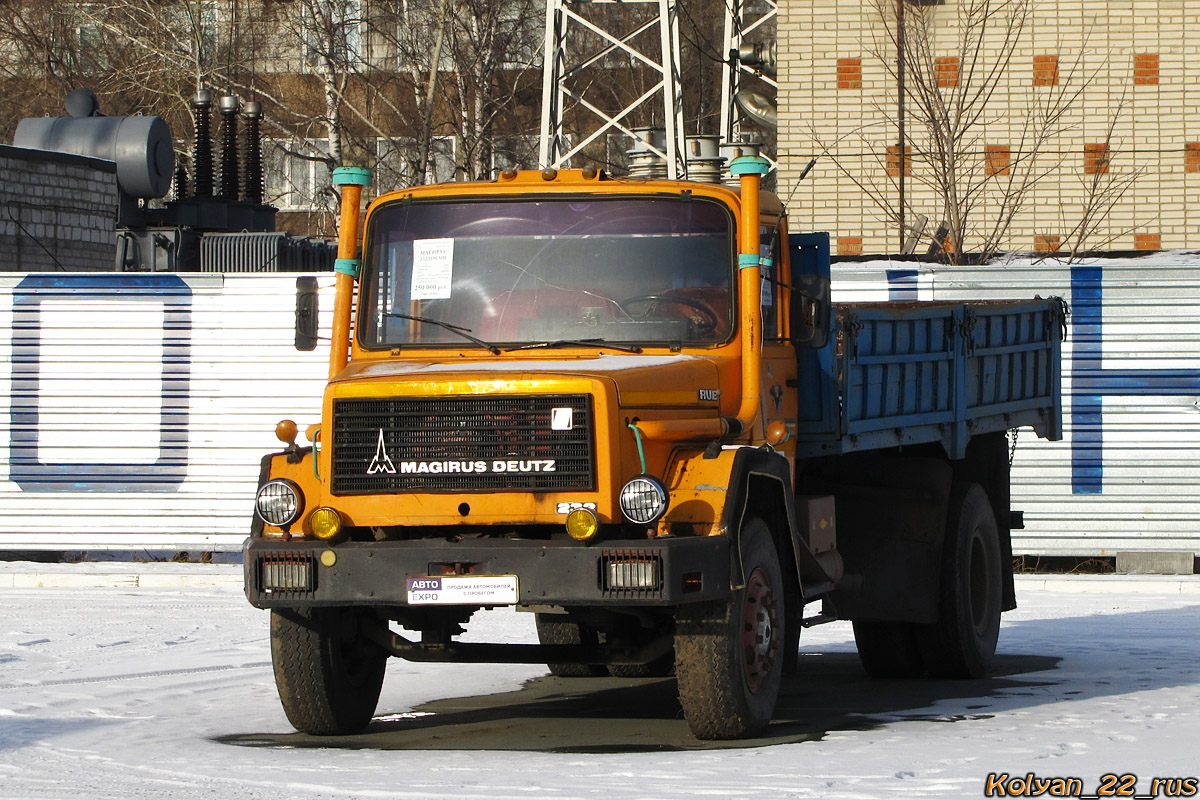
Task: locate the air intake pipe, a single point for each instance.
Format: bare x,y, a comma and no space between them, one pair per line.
749,170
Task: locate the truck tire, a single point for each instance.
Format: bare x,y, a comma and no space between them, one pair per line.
561,629
962,642
888,649
728,659
328,676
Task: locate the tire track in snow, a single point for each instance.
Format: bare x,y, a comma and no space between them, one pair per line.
161,673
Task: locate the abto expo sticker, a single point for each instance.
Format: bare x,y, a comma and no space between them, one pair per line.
464,590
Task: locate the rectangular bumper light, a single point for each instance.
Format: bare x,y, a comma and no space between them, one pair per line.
632,571
289,573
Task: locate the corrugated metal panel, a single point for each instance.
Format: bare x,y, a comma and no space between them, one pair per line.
1127,474
144,427
140,405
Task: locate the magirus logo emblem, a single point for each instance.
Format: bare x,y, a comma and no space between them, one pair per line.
382,462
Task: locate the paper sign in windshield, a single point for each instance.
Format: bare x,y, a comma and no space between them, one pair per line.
432,271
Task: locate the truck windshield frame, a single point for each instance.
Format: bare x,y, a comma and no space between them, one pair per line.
640,270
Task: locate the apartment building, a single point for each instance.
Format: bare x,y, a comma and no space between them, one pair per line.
1028,125
339,81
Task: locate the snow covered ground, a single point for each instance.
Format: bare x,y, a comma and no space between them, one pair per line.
137,692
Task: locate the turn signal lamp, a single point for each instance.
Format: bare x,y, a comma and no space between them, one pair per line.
777,432
325,523
286,431
582,524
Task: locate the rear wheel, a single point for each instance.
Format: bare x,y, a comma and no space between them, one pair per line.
328,675
728,658
962,642
561,629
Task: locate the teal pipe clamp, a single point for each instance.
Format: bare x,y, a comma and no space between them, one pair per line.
352,176
637,435
747,260
347,266
749,165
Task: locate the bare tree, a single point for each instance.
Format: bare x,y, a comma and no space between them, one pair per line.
957,62
1104,184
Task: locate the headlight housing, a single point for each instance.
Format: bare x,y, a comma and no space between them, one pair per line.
325,523
582,524
644,500
279,502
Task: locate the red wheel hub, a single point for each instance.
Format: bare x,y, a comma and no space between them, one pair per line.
760,629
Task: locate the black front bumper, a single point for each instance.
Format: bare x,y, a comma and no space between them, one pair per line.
304,574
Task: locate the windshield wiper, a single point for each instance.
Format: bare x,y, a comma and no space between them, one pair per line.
624,348
461,331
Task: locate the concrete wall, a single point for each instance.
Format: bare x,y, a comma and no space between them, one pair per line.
1128,64
57,212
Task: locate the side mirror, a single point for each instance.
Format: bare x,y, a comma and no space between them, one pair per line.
306,313
810,311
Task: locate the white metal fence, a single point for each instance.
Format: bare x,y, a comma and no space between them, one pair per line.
139,406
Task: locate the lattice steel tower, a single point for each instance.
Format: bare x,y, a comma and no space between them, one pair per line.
584,40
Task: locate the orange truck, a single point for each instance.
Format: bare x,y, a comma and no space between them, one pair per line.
630,408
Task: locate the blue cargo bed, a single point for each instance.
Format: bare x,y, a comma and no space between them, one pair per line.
911,373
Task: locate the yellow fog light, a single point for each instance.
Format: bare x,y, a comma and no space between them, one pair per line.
325,523
582,524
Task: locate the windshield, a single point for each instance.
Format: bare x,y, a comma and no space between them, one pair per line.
551,270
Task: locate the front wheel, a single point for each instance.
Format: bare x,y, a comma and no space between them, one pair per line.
728,658
661,667
962,642
328,675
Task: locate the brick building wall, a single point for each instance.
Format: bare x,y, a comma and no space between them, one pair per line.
57,212
1129,66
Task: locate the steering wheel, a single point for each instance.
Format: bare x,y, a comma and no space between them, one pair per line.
706,324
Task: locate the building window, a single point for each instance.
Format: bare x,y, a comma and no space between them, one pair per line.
1095,159
1047,243
517,152
893,160
396,158
332,31
296,175
522,40
1045,70
997,158
1145,69
946,71
849,73
849,246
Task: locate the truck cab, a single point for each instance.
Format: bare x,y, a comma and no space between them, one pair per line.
607,402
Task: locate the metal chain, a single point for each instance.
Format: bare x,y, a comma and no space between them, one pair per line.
1012,448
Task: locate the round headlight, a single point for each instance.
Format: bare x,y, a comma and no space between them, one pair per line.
644,500
279,502
325,523
582,524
